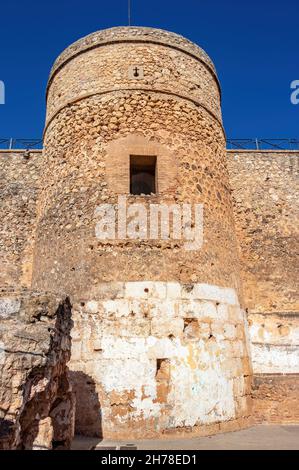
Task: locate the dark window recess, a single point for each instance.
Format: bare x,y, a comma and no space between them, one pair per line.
142,174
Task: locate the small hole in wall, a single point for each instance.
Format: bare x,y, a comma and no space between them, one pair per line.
171,337
187,321
162,364
146,290
82,304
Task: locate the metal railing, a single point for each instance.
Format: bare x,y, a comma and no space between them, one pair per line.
233,144
263,144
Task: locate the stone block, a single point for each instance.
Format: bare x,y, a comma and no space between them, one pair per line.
108,290
197,309
116,308
165,327
9,307
92,306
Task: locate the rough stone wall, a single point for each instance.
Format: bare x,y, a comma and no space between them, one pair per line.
265,194
275,398
160,357
19,184
169,340
274,341
36,401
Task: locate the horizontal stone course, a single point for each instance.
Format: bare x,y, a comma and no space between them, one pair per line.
119,34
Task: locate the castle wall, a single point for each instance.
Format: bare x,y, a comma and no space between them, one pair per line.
147,358
36,401
273,334
19,184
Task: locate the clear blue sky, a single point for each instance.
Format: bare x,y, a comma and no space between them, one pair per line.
254,45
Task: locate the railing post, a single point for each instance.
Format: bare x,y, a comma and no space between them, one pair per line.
10,143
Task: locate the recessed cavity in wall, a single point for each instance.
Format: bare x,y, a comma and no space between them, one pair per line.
191,328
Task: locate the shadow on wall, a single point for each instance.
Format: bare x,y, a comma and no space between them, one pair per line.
88,421
7,428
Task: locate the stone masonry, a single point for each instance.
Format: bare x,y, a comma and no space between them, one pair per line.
37,405
164,340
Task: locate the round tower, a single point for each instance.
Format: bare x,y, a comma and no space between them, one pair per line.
135,223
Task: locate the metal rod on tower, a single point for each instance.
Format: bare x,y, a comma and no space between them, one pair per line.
129,12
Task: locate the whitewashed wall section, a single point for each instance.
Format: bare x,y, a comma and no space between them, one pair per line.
179,351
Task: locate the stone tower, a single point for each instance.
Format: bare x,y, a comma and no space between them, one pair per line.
159,341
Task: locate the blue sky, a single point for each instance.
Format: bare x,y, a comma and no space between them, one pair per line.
254,45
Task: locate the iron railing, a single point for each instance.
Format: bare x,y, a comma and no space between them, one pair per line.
24,144
233,144
263,144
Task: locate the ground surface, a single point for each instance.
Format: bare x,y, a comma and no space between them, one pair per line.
262,437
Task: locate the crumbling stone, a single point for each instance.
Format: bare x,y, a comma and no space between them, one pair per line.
36,400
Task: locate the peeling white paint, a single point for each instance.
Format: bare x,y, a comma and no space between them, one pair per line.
122,339
274,343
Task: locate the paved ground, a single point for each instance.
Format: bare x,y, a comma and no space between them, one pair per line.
262,437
